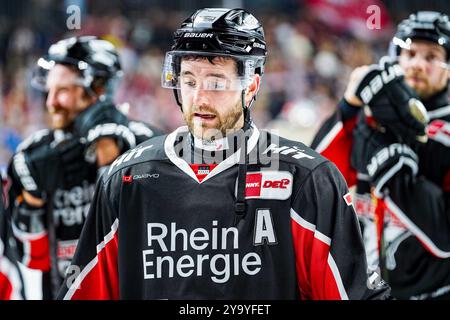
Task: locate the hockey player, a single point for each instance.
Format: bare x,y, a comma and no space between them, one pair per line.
54,171
397,155
220,209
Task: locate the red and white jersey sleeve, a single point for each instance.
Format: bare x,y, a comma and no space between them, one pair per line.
334,141
330,257
93,274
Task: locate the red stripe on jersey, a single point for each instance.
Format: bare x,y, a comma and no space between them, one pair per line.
315,278
379,217
6,287
339,151
38,256
426,242
102,281
302,246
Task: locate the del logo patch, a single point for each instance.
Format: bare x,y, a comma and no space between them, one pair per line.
275,185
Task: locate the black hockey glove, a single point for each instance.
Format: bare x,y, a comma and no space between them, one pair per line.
392,103
44,169
103,120
388,161
381,156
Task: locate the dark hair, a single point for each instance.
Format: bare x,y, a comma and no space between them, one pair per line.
239,67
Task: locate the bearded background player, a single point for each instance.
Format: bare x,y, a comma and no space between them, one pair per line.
54,170
397,155
220,209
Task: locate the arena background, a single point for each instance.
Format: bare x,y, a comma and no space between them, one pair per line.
312,47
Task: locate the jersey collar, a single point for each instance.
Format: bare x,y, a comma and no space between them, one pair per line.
232,160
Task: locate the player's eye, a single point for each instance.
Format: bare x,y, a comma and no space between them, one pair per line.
411,54
430,57
189,82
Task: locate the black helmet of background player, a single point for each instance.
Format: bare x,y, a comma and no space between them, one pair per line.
423,25
96,60
213,32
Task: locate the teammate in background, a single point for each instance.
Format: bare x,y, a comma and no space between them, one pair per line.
220,209
11,284
54,171
397,155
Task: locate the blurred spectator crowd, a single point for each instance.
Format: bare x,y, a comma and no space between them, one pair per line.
308,63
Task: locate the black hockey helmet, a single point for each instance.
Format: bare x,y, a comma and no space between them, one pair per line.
94,58
232,33
424,25
222,31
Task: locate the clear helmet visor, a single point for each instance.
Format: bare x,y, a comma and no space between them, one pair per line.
190,70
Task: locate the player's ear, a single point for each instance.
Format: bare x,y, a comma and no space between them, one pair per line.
252,89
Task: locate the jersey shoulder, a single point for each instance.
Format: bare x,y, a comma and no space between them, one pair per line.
150,150
143,131
292,152
36,139
307,163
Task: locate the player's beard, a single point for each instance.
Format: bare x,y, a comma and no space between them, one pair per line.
222,125
59,118
62,118
421,84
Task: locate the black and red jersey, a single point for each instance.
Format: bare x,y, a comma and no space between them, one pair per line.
163,227
68,208
54,230
410,224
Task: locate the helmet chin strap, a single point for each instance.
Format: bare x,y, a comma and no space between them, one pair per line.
177,99
240,205
246,111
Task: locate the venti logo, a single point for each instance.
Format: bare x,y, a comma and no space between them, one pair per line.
131,178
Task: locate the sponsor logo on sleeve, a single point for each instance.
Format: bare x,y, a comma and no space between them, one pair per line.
294,151
348,199
129,155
